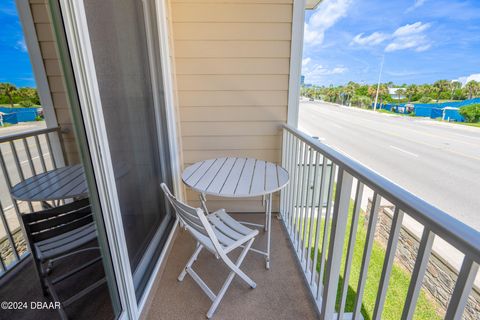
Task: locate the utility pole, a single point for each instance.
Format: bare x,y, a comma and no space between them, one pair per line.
378,85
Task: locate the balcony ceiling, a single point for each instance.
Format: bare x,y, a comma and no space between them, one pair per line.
311,4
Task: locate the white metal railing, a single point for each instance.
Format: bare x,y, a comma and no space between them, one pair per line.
316,208
22,156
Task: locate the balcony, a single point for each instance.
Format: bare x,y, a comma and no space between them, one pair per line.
331,202
314,270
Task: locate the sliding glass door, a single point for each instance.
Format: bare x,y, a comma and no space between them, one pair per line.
122,40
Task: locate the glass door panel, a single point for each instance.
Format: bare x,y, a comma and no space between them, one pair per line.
121,56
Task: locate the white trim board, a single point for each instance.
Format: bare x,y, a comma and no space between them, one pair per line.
296,52
36,59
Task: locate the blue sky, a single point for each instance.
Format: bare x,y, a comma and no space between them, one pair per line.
422,40
15,64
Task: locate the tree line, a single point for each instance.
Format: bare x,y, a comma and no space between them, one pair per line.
363,95
18,97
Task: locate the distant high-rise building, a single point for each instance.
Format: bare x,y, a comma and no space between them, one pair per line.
302,80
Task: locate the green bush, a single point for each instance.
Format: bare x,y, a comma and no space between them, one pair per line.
471,113
361,101
26,104
425,99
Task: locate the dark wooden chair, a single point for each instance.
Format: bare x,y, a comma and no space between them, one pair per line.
55,234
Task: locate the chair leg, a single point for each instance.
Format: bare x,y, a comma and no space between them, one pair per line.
235,270
190,261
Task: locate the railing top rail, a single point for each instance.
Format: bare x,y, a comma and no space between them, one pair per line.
463,237
28,134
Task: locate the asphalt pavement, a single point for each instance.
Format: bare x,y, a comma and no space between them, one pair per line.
436,161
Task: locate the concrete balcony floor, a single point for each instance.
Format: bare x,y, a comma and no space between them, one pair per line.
281,292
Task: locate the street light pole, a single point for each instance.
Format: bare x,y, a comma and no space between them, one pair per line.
378,85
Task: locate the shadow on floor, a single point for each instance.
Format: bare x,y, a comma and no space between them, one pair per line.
24,286
280,293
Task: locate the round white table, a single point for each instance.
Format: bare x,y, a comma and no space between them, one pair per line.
234,177
62,183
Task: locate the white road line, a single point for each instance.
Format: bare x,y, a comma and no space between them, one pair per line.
405,151
34,158
333,124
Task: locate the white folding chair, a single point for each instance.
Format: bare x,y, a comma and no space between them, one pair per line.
218,233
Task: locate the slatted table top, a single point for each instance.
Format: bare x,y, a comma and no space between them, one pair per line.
235,177
62,183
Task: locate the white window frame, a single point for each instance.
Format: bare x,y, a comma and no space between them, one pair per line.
76,28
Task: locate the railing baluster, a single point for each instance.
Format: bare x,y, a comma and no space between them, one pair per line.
465,280
284,190
418,273
351,246
337,238
50,150
312,214
2,265
395,229
301,223
307,193
293,194
29,156
19,168
40,154
318,227
8,233
367,251
290,186
325,226
298,197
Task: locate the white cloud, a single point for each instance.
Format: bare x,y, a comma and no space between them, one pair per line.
318,72
306,61
21,45
410,36
416,4
371,40
466,79
411,29
325,17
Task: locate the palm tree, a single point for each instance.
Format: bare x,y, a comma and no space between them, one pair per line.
383,93
8,90
472,88
372,91
442,86
349,90
454,85
411,91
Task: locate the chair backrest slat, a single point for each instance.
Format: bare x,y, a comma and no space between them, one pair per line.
190,216
59,220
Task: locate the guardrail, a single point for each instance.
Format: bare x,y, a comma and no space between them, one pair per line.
22,156
317,206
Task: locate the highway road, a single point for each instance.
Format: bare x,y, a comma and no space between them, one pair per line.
436,161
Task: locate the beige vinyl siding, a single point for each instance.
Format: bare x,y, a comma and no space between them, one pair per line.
232,69
51,63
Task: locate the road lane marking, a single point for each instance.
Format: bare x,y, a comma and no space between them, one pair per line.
405,151
34,158
390,133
